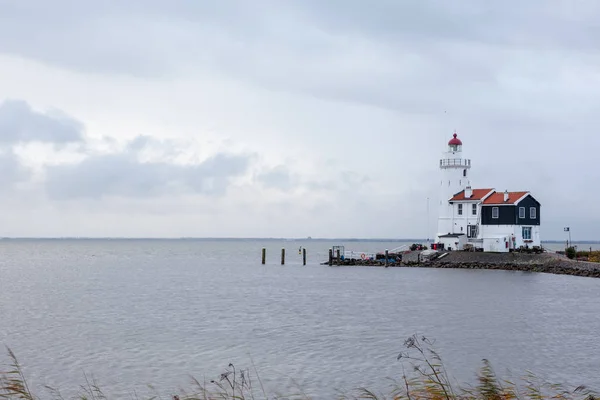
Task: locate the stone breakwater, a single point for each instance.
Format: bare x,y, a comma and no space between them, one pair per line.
546,263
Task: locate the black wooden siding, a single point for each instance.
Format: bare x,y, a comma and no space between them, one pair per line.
509,214
528,202
506,215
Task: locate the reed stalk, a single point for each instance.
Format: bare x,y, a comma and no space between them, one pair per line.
429,381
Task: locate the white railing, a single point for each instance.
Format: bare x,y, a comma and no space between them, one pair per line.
348,254
455,162
399,249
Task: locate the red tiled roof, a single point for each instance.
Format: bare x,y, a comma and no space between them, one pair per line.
498,198
478,194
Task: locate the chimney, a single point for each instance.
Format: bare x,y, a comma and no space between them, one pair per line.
468,192
505,196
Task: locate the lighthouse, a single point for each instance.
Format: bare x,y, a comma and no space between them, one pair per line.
454,178
482,219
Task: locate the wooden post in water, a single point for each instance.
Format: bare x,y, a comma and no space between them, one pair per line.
264,256
303,256
386,258
330,257
282,256
337,255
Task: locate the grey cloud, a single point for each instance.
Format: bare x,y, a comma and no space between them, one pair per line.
278,177
88,37
343,182
141,38
212,176
509,23
322,185
352,178
408,56
12,171
123,175
282,178
139,143
20,123
133,36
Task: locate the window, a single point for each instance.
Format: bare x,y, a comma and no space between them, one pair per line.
495,212
460,209
521,212
532,212
526,233
464,172
474,209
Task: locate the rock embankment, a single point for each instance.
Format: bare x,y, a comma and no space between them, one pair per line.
547,263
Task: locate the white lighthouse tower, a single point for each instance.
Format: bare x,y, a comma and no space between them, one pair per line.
454,172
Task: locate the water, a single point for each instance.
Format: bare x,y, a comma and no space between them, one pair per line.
583,246
137,312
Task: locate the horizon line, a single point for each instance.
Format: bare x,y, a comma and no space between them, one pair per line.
416,240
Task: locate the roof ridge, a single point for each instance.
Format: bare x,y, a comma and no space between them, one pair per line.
497,198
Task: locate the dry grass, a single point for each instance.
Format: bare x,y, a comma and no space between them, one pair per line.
593,256
428,380
586,255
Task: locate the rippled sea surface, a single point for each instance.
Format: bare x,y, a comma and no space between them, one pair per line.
137,312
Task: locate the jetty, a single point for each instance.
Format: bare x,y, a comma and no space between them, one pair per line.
339,256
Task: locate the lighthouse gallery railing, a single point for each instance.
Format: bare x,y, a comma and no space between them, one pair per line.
455,162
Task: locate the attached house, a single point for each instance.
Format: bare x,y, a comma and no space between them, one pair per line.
515,215
494,221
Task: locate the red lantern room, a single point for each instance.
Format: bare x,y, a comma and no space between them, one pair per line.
455,144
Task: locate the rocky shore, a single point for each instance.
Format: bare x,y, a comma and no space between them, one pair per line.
546,263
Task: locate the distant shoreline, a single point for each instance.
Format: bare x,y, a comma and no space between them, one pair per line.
231,239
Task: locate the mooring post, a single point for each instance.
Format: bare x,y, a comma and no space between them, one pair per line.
330,257
386,258
282,256
303,256
337,255
264,255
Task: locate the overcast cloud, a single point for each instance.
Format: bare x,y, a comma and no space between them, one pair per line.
294,118
19,124
123,174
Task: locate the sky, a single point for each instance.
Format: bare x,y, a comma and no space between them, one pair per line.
301,118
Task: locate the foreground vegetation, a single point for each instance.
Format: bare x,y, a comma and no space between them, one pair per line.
427,379
583,255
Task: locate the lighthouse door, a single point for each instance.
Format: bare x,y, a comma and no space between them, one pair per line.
471,231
